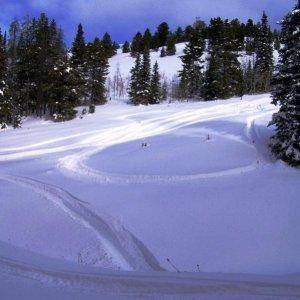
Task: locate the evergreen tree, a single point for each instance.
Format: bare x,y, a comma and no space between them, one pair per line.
264,57
171,46
162,34
179,34
285,144
163,52
145,78
137,44
126,47
191,77
250,32
109,47
188,33
5,101
249,79
276,40
147,40
224,75
98,70
213,83
134,86
79,64
155,88
164,90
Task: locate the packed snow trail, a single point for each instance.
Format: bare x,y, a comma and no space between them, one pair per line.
75,164
131,285
126,250
39,155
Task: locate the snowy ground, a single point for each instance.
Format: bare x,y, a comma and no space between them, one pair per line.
82,203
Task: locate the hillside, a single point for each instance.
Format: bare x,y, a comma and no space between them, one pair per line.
203,196
169,66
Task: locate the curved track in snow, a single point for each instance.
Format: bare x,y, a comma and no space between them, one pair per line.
126,251
75,164
144,285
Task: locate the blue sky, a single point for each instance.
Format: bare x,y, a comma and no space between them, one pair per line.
123,18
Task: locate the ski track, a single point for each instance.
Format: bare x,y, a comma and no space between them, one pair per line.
75,165
126,250
152,284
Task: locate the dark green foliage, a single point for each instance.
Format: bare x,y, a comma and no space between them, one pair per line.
179,34
92,109
276,39
163,52
188,33
264,57
126,47
144,88
191,77
162,34
145,79
97,72
249,79
285,144
137,44
224,75
134,87
171,46
147,42
155,88
6,105
79,64
109,46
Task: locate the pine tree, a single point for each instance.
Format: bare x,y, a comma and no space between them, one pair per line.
164,90
79,64
145,79
61,97
171,46
137,44
109,46
179,34
162,34
249,79
163,52
191,77
5,100
98,70
155,87
264,57
213,81
232,70
134,86
147,40
285,144
224,75
126,47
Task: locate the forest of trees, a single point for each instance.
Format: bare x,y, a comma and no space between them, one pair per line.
40,76
285,144
220,75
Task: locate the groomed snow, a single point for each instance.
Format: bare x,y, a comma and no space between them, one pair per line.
203,197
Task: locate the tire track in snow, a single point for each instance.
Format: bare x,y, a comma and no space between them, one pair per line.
153,284
75,164
126,250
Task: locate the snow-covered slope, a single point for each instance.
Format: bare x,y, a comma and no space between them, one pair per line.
81,200
169,66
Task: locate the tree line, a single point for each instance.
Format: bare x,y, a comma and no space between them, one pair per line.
165,39
39,76
211,66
